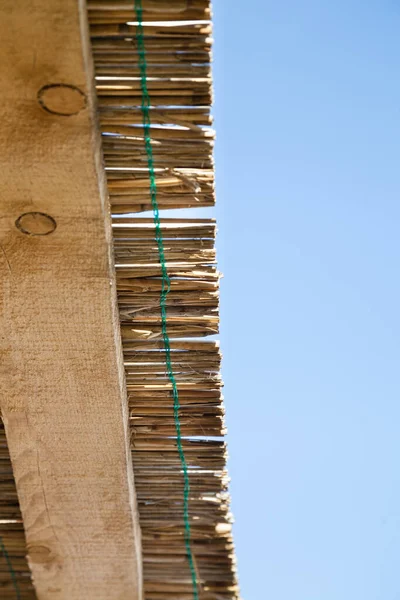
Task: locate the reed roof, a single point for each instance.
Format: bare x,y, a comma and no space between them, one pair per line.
178,52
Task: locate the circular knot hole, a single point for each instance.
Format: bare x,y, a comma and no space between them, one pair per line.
39,554
36,223
62,99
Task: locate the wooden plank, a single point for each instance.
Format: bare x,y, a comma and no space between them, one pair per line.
63,396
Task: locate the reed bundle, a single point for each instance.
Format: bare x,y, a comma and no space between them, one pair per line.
178,45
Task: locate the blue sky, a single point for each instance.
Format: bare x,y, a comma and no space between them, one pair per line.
307,107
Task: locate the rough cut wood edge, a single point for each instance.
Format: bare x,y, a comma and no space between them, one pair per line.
62,396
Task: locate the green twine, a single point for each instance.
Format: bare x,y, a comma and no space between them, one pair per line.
165,283
13,575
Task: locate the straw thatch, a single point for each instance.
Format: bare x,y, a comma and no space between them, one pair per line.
178,45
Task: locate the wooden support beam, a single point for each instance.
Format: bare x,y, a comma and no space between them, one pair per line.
62,388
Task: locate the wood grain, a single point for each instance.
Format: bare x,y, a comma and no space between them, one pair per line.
63,397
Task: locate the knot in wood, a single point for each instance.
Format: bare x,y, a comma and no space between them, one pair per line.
40,554
62,99
36,223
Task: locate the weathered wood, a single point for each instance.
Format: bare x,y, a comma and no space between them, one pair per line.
63,396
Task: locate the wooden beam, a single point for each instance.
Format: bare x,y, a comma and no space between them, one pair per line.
62,394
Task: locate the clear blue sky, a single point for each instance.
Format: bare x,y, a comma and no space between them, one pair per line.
308,122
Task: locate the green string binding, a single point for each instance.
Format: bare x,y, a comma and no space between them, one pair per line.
165,284
13,575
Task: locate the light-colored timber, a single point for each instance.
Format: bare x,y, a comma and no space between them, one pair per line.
63,398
